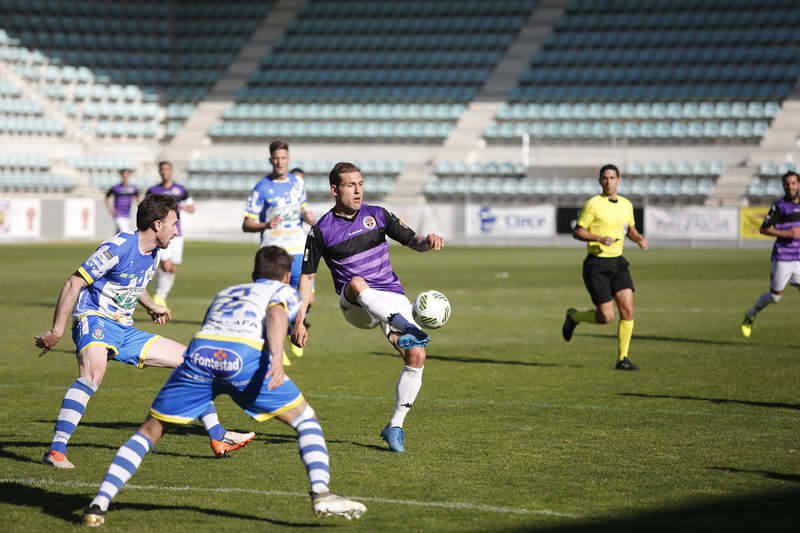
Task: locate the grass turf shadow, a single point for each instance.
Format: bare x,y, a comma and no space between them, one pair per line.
769,511
67,507
779,405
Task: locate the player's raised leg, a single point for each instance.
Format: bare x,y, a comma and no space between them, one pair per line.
382,306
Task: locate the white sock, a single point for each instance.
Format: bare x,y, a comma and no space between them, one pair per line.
164,283
763,301
373,303
408,385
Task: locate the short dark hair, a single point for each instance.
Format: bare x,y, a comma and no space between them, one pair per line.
280,144
272,262
335,177
608,167
790,173
295,170
164,163
154,207
124,170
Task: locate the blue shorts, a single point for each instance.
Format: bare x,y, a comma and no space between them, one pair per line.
212,367
297,269
125,344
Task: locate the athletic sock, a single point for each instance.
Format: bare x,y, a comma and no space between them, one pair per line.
313,452
408,385
72,408
624,333
164,282
763,301
372,302
122,467
584,316
210,421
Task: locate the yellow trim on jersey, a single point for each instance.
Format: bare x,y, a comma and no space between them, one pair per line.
288,407
273,304
258,345
600,216
170,419
85,275
145,349
98,313
250,215
98,343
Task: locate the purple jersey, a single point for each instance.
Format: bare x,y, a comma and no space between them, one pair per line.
123,198
784,214
177,191
357,247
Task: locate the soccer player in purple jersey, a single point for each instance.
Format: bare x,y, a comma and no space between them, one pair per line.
351,238
783,223
101,297
124,195
172,256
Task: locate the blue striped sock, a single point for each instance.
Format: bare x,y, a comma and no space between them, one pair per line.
72,408
210,421
124,465
313,453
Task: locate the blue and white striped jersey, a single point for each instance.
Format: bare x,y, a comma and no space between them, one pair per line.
239,313
117,274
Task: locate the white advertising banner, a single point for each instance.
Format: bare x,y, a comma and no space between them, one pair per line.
79,217
20,218
522,221
707,223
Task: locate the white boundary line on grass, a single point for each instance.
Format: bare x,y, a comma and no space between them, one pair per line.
445,505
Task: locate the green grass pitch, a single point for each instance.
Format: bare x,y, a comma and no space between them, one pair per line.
514,430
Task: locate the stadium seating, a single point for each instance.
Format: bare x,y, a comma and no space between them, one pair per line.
236,177
664,72
391,77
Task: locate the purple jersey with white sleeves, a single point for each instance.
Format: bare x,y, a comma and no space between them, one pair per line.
357,247
783,215
177,191
123,198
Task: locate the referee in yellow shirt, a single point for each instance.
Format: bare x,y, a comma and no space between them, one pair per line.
604,221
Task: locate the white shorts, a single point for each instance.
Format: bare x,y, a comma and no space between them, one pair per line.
173,252
123,224
358,317
783,272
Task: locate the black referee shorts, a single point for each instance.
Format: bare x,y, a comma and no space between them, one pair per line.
605,276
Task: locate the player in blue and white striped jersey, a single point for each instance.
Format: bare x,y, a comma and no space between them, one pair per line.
101,296
233,354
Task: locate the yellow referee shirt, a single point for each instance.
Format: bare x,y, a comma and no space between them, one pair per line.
606,218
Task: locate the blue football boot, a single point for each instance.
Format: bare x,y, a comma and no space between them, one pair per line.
394,437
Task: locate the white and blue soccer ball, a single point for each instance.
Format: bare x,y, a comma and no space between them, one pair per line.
431,309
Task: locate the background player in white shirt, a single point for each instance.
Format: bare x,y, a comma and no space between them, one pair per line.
277,207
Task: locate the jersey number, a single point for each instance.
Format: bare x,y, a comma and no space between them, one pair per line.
233,304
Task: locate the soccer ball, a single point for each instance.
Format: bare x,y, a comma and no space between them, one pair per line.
431,309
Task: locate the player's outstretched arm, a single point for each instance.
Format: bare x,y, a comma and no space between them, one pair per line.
638,238
431,241
300,333
66,301
158,313
277,327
